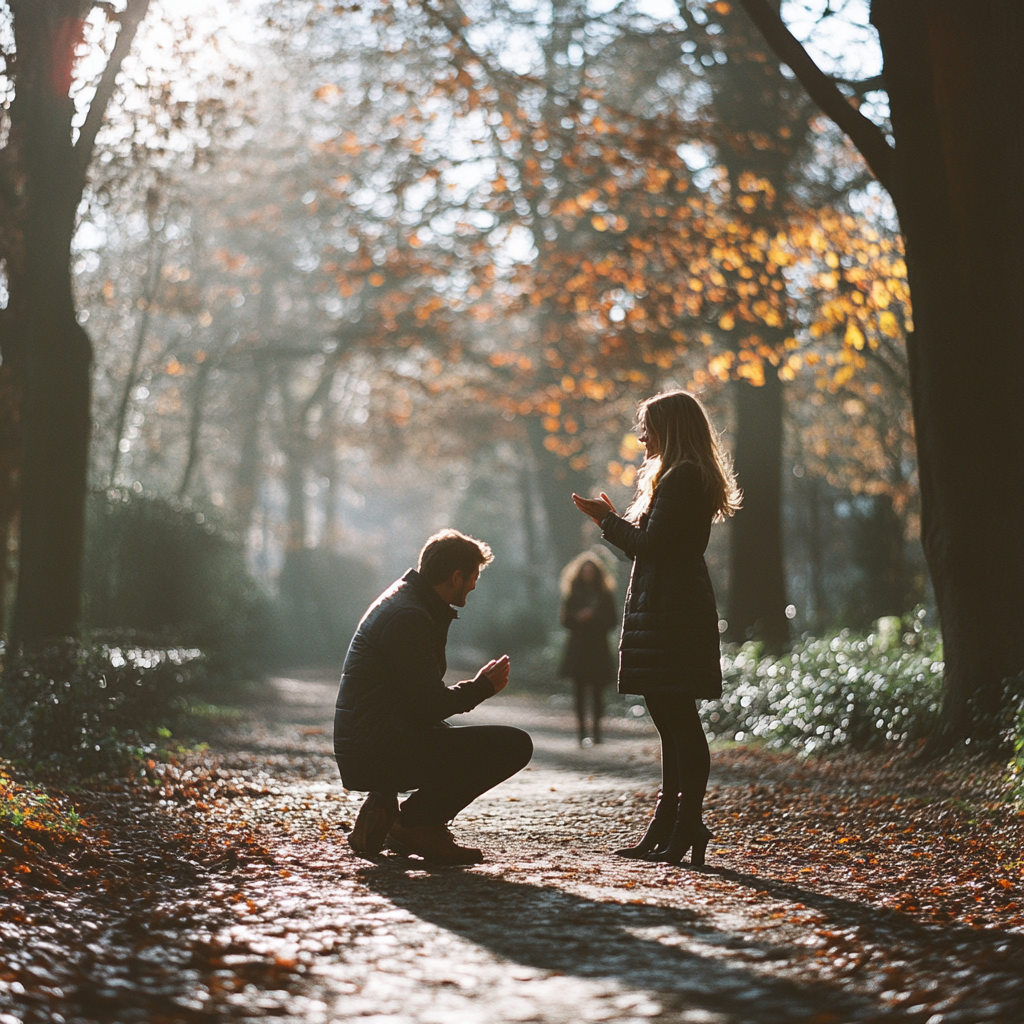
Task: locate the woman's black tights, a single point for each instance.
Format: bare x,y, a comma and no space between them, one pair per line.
685,758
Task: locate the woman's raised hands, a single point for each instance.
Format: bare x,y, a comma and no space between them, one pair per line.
596,508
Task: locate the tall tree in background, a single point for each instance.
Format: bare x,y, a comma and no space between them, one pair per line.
44,347
954,78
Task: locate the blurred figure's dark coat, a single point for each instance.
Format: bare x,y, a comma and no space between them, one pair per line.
670,638
587,657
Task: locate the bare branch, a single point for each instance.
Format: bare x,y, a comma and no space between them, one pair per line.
864,133
862,85
131,18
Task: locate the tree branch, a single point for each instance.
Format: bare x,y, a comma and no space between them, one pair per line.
131,18
863,85
864,133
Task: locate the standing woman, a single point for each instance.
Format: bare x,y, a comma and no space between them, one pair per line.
588,612
669,650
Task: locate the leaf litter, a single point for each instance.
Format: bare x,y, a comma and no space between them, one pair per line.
219,887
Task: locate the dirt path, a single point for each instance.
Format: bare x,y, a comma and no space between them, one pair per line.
550,929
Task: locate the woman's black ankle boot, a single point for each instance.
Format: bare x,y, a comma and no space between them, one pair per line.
687,835
659,830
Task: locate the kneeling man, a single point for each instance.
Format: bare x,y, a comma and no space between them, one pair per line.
390,733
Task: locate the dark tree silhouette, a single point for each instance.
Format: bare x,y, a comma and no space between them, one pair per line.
955,81
45,349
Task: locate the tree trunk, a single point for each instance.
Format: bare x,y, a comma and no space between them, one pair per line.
757,590
10,454
247,476
56,356
954,76
557,480
52,353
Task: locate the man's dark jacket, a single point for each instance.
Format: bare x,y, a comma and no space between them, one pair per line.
392,686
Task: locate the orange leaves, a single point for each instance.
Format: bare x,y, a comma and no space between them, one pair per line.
657,179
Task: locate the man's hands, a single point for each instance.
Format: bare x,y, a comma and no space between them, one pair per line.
596,508
496,672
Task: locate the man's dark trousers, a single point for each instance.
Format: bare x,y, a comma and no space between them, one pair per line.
449,767
389,730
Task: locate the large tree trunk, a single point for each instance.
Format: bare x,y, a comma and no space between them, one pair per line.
51,352
55,356
10,456
954,76
757,588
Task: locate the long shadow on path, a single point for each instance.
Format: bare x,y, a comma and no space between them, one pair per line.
549,929
996,956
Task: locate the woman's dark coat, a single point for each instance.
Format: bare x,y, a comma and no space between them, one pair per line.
670,623
587,658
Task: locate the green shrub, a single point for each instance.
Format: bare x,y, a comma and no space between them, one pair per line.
160,573
1015,739
89,708
840,689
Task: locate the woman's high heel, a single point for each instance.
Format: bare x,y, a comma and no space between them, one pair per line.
659,831
685,837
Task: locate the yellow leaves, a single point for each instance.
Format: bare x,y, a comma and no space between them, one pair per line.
727,321
831,260
854,336
499,184
880,294
842,375
695,285
376,280
550,423
887,324
598,223
752,371
720,365
327,92
174,368
588,198
568,384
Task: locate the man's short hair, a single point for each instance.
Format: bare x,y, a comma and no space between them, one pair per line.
450,550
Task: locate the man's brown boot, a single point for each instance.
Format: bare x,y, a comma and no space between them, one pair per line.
431,842
376,817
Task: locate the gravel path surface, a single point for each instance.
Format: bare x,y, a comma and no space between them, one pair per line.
552,928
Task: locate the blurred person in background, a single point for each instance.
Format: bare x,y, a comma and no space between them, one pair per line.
588,612
669,651
390,733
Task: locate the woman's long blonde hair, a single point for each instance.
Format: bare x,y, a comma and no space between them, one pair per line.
680,425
